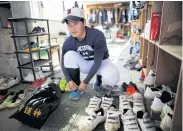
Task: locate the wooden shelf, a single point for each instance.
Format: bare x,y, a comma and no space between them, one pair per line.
175,50
140,61
152,41
165,58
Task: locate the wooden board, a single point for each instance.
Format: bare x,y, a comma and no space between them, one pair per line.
174,50
165,66
177,117
141,46
144,55
157,6
171,13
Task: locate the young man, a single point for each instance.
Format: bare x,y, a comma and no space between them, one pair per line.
85,51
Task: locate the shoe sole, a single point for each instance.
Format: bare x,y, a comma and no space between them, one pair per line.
76,97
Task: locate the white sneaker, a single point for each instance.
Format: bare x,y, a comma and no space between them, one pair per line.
166,109
159,103
2,79
94,105
145,122
107,101
30,76
91,122
132,58
129,121
124,102
112,122
166,122
9,82
150,79
138,104
151,93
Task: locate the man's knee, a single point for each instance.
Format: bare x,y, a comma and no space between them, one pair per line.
70,54
70,59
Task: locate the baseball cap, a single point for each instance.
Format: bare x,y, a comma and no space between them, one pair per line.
73,14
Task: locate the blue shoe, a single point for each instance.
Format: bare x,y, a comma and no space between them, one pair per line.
97,85
75,94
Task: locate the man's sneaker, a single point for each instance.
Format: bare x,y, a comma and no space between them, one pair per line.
98,83
145,122
138,104
7,100
17,99
129,121
9,83
75,94
2,79
166,109
150,79
124,102
166,122
30,76
94,105
151,93
112,122
107,101
93,120
159,103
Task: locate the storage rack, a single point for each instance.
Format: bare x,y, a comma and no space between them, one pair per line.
33,64
164,56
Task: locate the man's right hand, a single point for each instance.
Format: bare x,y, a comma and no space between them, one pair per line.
72,85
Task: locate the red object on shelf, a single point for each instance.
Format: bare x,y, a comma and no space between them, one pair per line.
155,25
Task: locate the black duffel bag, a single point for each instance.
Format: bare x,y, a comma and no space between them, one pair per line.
39,106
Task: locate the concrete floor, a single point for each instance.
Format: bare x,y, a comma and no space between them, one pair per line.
71,113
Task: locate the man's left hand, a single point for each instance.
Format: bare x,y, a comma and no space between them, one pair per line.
82,86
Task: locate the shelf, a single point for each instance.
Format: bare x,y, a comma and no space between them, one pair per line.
97,24
175,50
47,73
35,51
152,41
55,47
25,18
140,61
30,35
37,63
